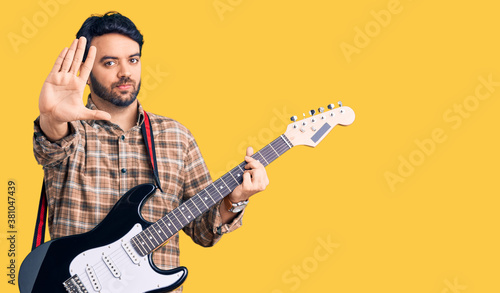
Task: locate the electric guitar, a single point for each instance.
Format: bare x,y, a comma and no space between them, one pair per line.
115,256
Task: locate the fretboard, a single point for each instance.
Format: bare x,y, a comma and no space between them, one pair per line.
158,233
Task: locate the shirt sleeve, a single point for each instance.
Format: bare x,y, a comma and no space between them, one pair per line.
50,154
207,229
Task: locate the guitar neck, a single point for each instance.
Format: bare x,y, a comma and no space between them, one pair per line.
158,233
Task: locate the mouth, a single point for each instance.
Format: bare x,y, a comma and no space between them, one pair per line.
124,87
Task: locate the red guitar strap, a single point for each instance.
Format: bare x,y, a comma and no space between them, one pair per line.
41,218
147,134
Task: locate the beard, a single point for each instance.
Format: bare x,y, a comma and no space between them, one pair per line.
120,99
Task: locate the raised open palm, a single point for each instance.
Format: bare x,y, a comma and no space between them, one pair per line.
61,96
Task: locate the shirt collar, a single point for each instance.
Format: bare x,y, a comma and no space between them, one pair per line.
140,111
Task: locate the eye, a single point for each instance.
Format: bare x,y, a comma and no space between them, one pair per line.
109,63
134,60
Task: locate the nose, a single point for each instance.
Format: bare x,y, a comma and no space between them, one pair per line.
124,70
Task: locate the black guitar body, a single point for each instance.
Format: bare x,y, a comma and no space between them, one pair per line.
47,268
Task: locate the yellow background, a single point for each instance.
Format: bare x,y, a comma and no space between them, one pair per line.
230,73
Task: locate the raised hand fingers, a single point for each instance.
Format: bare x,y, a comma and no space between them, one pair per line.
68,59
87,65
59,61
77,59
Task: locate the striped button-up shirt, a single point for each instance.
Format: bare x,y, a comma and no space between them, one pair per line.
87,172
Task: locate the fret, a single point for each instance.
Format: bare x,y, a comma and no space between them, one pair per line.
143,242
212,194
150,238
192,215
231,173
263,158
271,146
179,216
203,199
147,239
157,228
242,169
159,232
195,205
286,141
189,218
174,221
270,153
155,233
230,181
190,203
181,212
226,187
164,225
138,246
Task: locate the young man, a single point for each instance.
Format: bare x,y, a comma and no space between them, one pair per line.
94,154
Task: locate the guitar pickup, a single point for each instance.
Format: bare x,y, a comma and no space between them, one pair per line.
93,278
128,249
111,266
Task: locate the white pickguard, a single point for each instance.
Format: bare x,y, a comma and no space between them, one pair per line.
128,277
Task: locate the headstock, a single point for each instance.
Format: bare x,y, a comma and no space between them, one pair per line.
311,131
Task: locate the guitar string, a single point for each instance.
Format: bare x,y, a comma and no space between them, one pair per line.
102,271
266,152
195,200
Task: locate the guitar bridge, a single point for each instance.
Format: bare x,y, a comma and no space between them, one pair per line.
74,285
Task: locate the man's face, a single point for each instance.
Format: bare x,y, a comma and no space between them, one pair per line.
116,75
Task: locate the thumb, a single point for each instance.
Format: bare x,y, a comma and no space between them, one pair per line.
87,114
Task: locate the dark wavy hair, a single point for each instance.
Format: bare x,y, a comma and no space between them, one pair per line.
110,22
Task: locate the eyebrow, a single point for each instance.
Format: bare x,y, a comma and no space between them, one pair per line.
116,58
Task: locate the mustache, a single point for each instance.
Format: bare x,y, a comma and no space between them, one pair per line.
123,80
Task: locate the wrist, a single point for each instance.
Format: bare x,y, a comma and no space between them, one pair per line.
53,130
234,207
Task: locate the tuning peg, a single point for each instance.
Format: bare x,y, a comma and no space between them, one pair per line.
321,109
331,106
293,118
340,103
312,112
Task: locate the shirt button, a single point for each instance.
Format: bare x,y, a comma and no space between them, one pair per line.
122,137
124,170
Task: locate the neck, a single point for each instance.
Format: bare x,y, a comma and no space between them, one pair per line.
125,117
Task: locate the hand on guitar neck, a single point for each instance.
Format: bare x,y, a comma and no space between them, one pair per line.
254,180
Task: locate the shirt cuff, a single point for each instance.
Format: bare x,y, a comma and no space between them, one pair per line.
50,153
219,228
